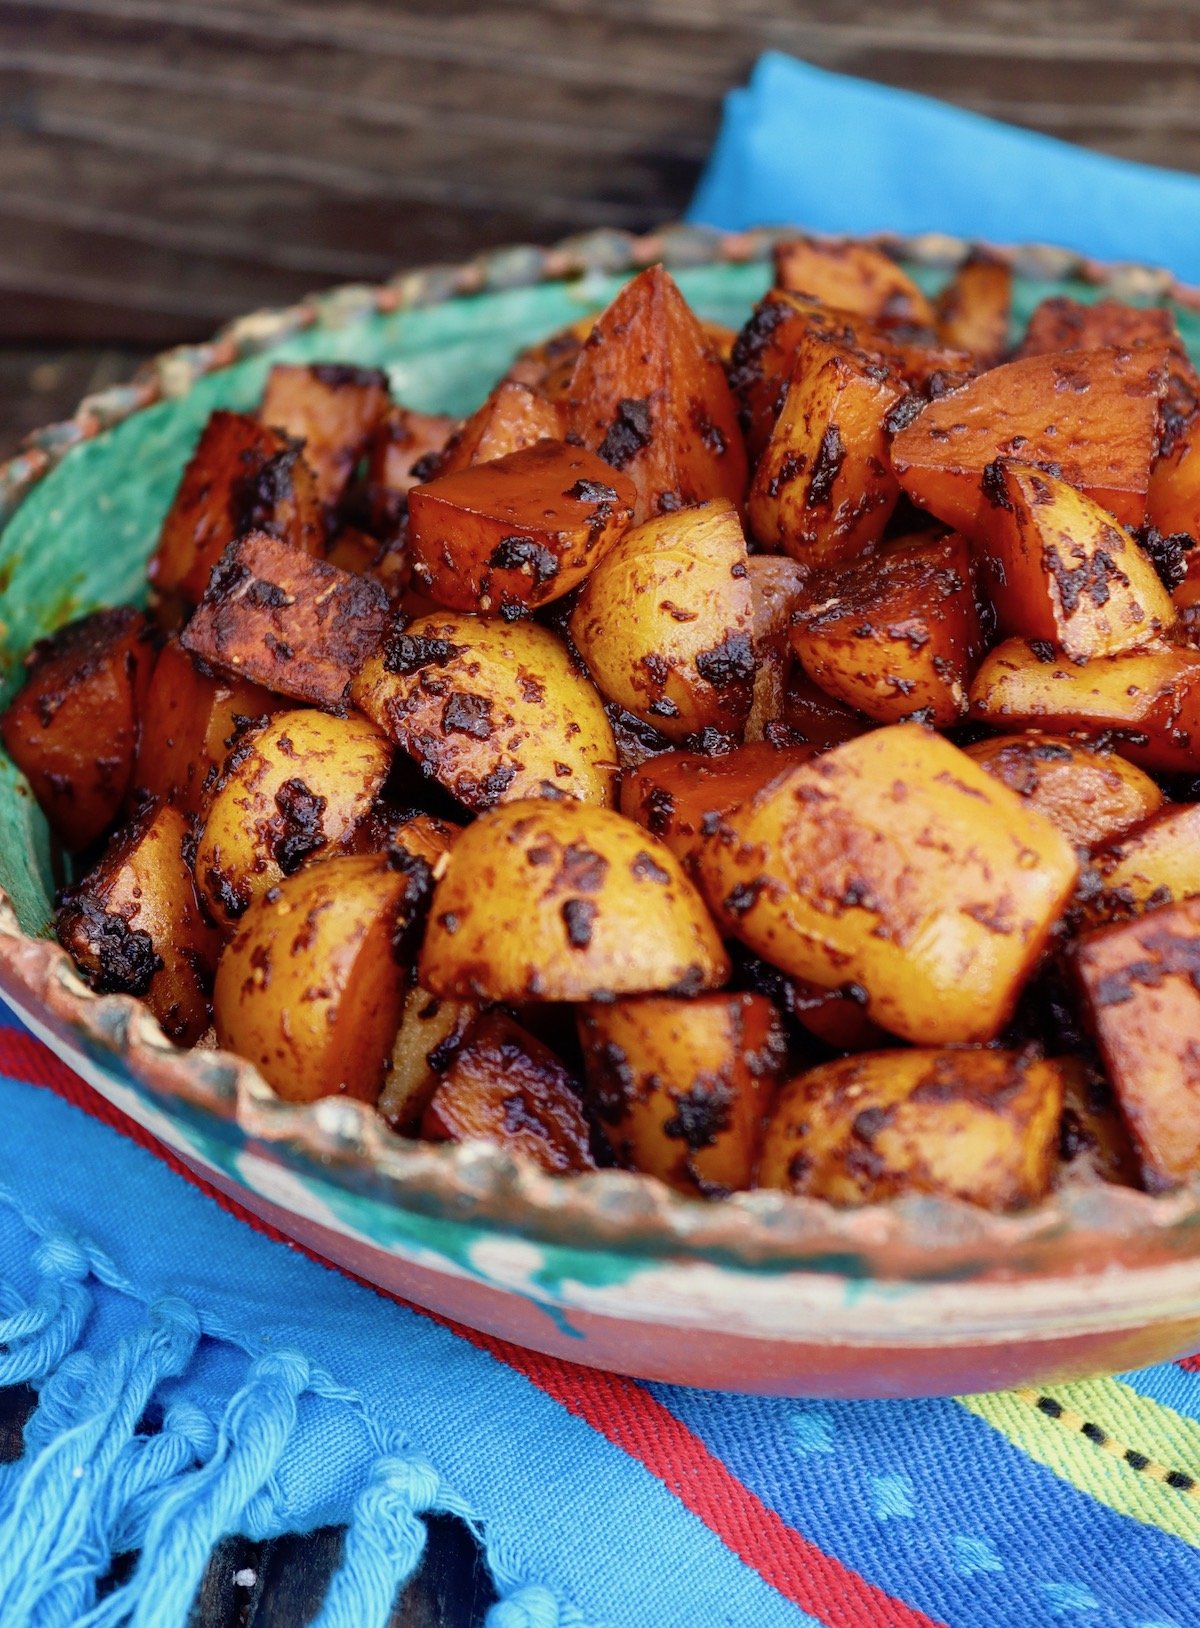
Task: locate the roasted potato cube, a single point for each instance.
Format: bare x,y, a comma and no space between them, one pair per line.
1056,567
405,449
292,790
297,626
775,584
560,901
665,622
135,927
504,1086
682,1087
1092,1139
243,475
854,277
491,711
1090,796
506,536
823,490
1156,863
895,863
976,1125
974,308
1147,702
1090,417
1061,323
813,718
512,418
190,717
430,1033
311,987
333,409
1141,984
898,640
648,395
71,728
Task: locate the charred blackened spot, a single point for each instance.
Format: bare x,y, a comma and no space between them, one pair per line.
227,575
581,869
647,869
466,714
406,653
692,983
791,465
523,554
702,1113
612,1083
295,830
678,613
1042,650
345,376
830,456
1168,955
1090,579
798,1168
710,434
591,491
579,916
532,691
658,806
1168,555
868,1123
993,487
449,921
628,433
663,708
279,648
902,413
125,960
657,668
234,902
744,896
730,662
495,783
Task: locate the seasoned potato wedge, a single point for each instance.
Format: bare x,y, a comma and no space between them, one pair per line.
297,626
854,277
135,927
823,489
1156,863
896,863
978,1125
537,902
1056,567
292,790
491,711
311,986
775,584
1091,797
1141,984
899,640
1147,702
505,536
665,622
1092,416
682,1087
648,395
333,409
430,1032
512,418
504,1086
974,308
71,728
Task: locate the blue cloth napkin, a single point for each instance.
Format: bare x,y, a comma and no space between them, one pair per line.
800,146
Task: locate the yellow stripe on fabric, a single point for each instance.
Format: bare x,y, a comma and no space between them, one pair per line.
1129,1424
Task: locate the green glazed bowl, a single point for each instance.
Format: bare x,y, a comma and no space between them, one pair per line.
759,1292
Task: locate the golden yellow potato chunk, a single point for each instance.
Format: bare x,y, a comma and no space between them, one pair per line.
1091,796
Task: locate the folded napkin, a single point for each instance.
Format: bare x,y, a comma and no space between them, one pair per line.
799,146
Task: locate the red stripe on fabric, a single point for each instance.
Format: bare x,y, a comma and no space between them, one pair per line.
618,1408
1192,1364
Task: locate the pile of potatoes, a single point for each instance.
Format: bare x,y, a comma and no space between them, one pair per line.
758,759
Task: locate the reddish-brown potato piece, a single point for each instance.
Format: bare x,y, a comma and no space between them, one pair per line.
681,1087
1090,796
895,863
1146,701
134,924
310,989
512,418
333,409
979,1125
505,536
298,626
1141,983
823,489
430,1032
404,450
974,308
1156,863
1090,415
1173,502
504,1086
775,584
1055,566
538,902
242,475
648,395
898,639
1060,323
665,622
854,277
72,727
813,718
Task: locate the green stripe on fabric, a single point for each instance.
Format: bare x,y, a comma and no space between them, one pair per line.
1137,1456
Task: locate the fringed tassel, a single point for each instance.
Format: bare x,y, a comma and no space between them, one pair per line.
35,1338
383,1547
532,1606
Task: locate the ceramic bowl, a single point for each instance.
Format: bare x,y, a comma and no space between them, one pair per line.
760,1292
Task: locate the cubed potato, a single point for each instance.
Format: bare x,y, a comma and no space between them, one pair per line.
310,988
298,626
559,901
72,727
895,863
811,717
974,309
512,418
1089,416
1092,1139
1055,566
1156,863
665,622
1145,702
899,639
504,1086
775,584
430,1033
190,717
648,395
293,790
1141,985
823,490
506,536
134,924
1090,796
979,1125
242,475
491,711
405,449
851,276
1060,323
681,1088
333,409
